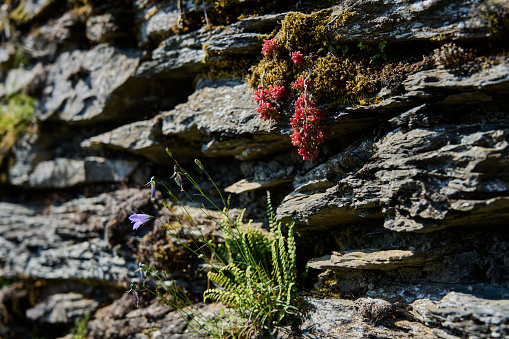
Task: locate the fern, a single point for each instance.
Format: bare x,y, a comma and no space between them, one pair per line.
260,277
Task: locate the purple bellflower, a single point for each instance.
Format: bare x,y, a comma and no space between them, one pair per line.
138,219
152,184
178,178
180,182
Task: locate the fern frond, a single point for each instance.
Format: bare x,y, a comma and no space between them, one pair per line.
270,214
224,296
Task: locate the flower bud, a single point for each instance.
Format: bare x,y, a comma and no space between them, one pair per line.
198,162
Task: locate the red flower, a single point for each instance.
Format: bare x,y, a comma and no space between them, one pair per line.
307,132
297,57
299,84
259,94
269,46
267,100
277,92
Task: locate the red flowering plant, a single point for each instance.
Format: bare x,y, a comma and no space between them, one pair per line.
308,130
267,99
269,47
297,57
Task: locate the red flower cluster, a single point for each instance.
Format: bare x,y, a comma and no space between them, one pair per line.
297,57
269,47
299,84
267,100
307,133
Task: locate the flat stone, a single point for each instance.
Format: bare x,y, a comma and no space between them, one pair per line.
371,259
46,42
88,86
221,117
465,315
492,78
63,172
98,169
67,242
158,22
32,9
17,79
141,137
27,154
62,309
470,163
339,318
59,173
182,55
423,20
103,28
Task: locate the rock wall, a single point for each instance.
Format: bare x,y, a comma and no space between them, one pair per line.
402,218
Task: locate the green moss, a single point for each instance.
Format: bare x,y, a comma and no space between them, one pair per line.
221,65
498,22
338,81
301,32
273,69
80,330
15,117
225,12
19,15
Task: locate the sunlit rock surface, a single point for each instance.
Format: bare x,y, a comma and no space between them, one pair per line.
401,220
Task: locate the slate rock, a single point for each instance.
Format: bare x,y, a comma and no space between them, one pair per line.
158,22
98,169
27,153
395,192
7,52
59,173
425,20
222,119
34,9
65,241
103,28
183,55
262,175
153,321
96,85
465,315
62,309
339,318
219,119
494,78
46,42
372,259
62,172
19,78
140,137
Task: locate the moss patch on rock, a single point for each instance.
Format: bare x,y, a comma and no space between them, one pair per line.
15,118
337,77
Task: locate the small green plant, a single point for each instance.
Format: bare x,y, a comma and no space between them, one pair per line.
80,329
376,52
3,282
343,49
15,117
254,271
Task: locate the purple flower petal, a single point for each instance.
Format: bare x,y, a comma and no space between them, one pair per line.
153,189
138,219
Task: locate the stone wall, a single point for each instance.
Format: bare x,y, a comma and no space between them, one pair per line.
402,218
